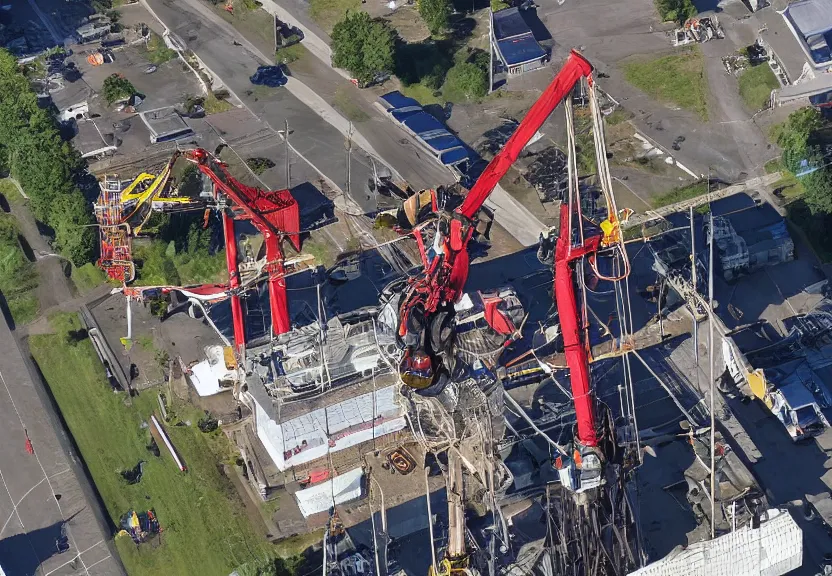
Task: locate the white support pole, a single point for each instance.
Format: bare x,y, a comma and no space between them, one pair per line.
430,523
711,362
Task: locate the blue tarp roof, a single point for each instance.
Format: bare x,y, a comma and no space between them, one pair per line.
520,49
398,100
447,147
454,156
509,23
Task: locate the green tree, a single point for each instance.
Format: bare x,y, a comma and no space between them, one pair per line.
363,46
675,10
795,136
818,189
497,5
435,13
47,168
465,81
800,140
116,87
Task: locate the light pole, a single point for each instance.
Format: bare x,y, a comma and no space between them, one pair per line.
383,529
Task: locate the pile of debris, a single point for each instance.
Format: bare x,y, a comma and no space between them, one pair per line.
140,526
695,30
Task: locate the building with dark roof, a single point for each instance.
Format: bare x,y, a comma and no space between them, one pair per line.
513,42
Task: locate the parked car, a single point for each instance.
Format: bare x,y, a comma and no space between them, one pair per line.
272,76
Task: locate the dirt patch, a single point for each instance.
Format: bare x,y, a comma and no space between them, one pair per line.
407,22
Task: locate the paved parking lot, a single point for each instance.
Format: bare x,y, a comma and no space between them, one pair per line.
44,491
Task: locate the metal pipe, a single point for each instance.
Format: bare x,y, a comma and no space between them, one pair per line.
430,522
711,362
526,417
326,533
375,542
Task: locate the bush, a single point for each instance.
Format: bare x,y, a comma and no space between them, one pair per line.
259,165
497,5
675,10
363,46
184,252
465,81
435,13
116,87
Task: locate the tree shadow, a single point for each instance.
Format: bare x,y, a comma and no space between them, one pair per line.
25,553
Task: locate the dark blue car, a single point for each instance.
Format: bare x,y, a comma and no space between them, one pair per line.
271,76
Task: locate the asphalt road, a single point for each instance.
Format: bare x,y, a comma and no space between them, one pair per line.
46,490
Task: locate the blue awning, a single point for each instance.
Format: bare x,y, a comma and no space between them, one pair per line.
423,122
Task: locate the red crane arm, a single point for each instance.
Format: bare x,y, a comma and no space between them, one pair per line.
575,68
574,343
275,214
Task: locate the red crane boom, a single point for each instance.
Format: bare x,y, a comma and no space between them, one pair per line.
275,214
445,275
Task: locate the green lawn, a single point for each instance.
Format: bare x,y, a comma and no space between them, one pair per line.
681,193
87,277
678,79
157,51
789,186
10,192
290,54
254,23
18,276
206,531
423,94
756,84
344,101
327,13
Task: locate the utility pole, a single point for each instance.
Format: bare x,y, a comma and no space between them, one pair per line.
288,150
490,53
696,299
349,158
711,362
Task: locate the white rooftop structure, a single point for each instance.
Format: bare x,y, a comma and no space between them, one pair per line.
775,548
336,427
811,23
321,497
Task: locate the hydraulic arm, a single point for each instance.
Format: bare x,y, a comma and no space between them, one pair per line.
445,273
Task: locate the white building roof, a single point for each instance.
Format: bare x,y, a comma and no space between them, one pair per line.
333,428
811,17
773,549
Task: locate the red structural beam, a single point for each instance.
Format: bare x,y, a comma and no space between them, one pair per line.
574,334
575,68
234,282
276,215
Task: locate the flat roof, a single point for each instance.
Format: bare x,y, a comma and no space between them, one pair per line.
163,121
89,140
811,23
514,38
520,49
509,23
810,17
